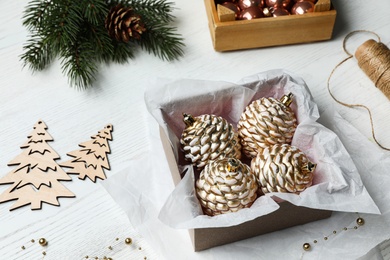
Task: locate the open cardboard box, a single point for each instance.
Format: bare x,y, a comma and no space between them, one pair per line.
270,31
287,215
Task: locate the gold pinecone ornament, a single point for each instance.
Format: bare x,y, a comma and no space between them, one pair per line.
207,138
123,24
226,185
282,168
265,122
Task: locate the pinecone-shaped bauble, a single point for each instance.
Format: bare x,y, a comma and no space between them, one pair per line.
226,185
207,138
266,122
282,168
123,24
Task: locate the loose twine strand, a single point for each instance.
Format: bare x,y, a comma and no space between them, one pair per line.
374,60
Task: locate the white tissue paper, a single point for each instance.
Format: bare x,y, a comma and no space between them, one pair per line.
146,193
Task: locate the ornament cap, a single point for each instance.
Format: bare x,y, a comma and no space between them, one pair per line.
232,165
188,119
310,166
287,99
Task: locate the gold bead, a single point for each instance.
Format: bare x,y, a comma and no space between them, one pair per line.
360,221
23,247
315,241
345,229
334,231
42,242
128,241
43,253
325,238
109,258
306,246
355,227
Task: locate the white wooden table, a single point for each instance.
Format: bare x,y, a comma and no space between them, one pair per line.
88,224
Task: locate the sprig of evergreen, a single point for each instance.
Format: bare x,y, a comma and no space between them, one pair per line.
74,32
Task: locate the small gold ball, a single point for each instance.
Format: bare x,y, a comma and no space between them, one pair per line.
325,238
42,242
128,241
306,246
360,221
315,241
109,258
355,227
345,229
23,247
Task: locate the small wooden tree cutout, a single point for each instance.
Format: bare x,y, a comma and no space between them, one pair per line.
92,158
36,176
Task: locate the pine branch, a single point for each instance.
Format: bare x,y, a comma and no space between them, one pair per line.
34,13
163,41
75,31
62,23
152,10
38,54
77,64
94,10
122,52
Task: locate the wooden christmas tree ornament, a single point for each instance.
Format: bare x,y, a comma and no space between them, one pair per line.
37,174
91,160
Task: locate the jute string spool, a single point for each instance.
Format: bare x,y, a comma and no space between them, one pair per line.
373,58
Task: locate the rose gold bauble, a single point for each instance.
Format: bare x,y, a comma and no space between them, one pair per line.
278,3
243,4
279,11
302,8
250,13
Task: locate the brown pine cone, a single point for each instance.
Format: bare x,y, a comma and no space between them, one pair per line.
207,138
123,24
282,168
226,185
266,122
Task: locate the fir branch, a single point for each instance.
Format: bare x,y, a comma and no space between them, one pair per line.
122,52
75,31
77,64
163,41
152,10
37,54
62,23
34,13
94,10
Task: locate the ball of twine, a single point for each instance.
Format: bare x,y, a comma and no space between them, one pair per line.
374,59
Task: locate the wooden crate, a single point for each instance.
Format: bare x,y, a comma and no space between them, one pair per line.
271,31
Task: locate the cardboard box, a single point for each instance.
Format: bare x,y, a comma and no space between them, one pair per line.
270,31
287,215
